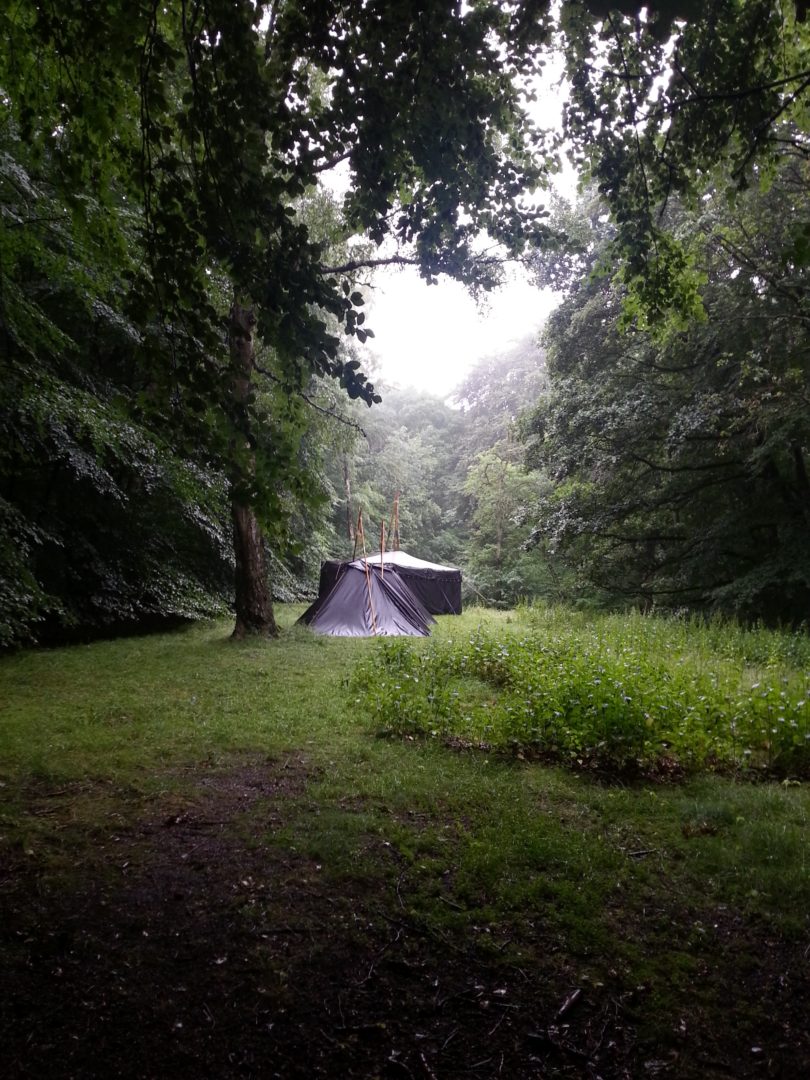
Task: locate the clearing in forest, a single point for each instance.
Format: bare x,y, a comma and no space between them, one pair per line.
244,860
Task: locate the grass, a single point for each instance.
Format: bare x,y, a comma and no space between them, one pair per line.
132,714
536,864
617,693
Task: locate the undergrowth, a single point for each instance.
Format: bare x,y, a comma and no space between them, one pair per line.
616,693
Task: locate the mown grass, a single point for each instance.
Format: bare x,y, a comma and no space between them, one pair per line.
533,861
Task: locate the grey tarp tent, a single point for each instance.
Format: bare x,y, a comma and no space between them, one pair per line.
364,602
438,587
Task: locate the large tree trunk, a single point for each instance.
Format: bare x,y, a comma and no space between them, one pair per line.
254,603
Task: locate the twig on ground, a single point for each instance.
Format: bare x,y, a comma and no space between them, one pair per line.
493,1029
379,957
431,1074
451,1036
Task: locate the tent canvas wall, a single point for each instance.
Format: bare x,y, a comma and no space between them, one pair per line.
438,587
364,602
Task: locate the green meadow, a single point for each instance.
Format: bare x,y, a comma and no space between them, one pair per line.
614,807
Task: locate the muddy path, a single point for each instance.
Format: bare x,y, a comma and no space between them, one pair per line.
189,943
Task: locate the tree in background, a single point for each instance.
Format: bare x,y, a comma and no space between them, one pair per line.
680,462
497,496
504,500
465,496
679,449
498,389
409,446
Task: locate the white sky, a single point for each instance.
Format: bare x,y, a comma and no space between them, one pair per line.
431,336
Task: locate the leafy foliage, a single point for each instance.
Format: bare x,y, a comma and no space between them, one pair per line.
617,693
499,496
504,497
679,464
221,128
409,447
158,162
664,98
106,521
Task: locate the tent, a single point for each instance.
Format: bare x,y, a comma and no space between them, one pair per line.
364,601
437,587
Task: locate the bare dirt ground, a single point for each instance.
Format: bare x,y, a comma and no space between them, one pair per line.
187,946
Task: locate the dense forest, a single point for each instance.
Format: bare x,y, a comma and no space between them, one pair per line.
187,423
562,833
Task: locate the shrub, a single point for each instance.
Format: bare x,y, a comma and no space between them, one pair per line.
617,693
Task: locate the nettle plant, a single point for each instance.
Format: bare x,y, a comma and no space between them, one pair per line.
587,700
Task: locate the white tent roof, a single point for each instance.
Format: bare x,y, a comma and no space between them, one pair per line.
402,558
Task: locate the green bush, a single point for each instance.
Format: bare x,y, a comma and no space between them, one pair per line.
618,693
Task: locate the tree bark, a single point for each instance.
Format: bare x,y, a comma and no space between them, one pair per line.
802,479
254,602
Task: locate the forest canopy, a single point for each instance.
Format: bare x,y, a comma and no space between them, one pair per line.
678,466
182,300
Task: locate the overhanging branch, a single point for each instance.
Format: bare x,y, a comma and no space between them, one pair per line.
312,404
369,264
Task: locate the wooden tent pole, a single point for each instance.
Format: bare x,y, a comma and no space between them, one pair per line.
362,535
382,548
358,532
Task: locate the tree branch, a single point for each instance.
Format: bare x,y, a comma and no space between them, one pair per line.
313,404
330,163
369,264
655,467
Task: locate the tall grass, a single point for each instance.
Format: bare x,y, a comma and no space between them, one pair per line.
617,691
